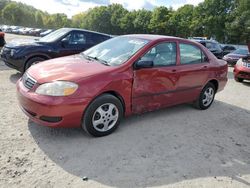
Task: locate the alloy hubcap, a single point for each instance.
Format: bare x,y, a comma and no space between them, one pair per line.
208,96
105,117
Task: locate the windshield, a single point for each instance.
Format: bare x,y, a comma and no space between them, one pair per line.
241,51
116,51
54,35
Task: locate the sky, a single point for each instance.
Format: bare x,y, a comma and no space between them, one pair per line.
72,7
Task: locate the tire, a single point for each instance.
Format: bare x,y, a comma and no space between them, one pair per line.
238,79
33,61
102,116
206,97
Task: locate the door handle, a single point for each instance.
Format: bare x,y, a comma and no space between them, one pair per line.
174,70
205,67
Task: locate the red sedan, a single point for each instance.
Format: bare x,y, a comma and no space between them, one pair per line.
122,76
242,69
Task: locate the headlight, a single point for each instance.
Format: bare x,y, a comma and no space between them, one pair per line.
239,62
13,52
57,88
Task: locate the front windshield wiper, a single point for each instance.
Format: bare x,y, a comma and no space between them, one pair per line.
96,58
100,60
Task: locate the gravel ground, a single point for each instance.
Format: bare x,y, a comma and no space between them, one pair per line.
173,147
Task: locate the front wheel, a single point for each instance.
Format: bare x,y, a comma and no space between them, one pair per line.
206,97
102,116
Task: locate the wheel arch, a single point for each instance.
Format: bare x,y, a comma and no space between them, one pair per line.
44,56
215,83
117,95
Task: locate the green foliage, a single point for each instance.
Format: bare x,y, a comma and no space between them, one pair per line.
224,20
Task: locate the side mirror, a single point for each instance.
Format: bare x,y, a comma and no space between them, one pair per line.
143,64
65,42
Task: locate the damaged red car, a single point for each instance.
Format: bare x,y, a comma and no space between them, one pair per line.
125,75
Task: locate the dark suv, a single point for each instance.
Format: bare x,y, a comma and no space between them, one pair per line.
213,46
20,55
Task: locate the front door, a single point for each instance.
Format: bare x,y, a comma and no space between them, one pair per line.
74,43
154,87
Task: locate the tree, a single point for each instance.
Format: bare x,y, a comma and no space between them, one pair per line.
117,12
12,14
39,19
239,27
159,23
181,21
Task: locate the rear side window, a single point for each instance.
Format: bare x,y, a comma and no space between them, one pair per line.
96,38
191,54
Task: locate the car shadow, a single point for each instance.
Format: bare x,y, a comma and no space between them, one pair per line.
3,67
156,148
15,77
246,83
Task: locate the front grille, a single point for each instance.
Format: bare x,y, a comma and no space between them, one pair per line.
28,81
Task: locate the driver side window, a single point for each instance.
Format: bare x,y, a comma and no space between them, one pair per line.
163,54
75,38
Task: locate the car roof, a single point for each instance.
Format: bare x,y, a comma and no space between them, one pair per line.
77,29
153,37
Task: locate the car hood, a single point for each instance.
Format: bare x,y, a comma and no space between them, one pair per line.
22,43
70,68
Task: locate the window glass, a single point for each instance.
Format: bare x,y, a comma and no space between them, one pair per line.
97,38
191,54
54,35
75,38
116,51
163,54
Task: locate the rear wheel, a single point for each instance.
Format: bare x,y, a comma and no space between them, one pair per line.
238,79
33,61
102,116
206,97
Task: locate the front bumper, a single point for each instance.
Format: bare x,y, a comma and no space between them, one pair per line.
51,111
242,72
12,62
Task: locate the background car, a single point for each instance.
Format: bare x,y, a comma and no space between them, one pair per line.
46,32
20,55
234,56
242,69
125,75
213,46
228,49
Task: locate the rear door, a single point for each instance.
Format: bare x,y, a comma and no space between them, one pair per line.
154,87
193,72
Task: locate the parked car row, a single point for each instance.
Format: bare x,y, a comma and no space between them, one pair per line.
229,53
25,30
